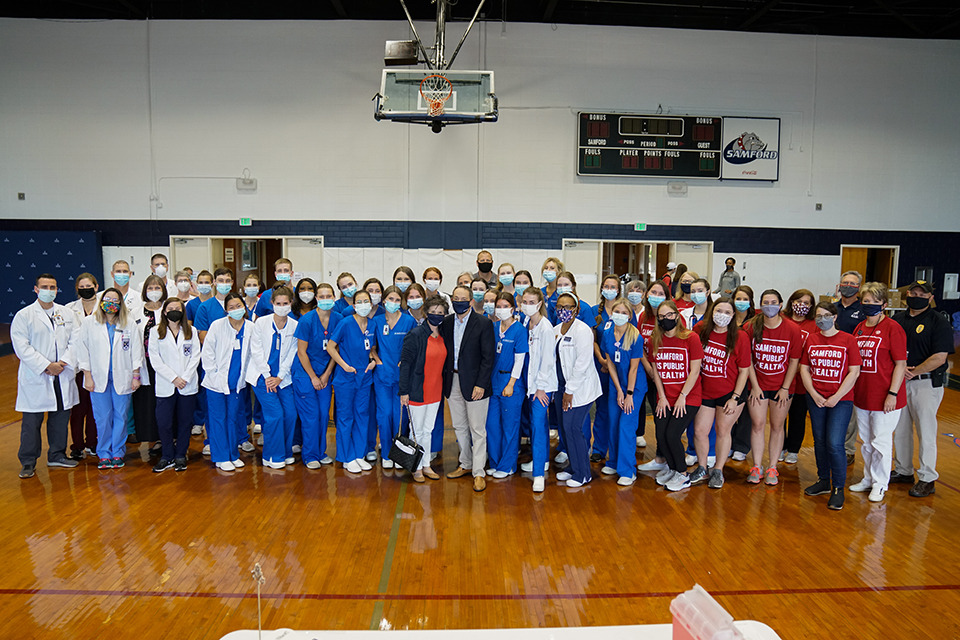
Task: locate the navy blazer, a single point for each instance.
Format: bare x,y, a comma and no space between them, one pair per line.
478,352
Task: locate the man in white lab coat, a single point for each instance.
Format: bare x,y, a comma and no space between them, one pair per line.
44,336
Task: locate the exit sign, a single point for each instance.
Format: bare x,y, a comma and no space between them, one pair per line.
246,222
640,226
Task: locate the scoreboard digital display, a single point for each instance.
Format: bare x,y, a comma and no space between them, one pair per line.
661,146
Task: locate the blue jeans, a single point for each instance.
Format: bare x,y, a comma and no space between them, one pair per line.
829,426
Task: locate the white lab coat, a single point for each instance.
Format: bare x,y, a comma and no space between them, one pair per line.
77,307
133,300
175,357
38,342
93,354
261,344
217,352
542,370
577,364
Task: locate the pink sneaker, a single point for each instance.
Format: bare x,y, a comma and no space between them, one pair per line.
755,474
772,476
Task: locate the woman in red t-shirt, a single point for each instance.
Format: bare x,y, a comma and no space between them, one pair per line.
829,369
799,311
880,393
684,284
421,380
675,370
776,348
657,293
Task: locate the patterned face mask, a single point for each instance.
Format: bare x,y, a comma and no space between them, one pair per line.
564,315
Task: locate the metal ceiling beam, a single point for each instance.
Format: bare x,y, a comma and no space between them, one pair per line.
759,13
883,4
548,12
338,7
135,10
945,28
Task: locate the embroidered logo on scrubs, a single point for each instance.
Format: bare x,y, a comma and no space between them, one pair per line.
125,343
187,350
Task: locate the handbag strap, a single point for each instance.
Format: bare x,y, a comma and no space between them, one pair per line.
409,421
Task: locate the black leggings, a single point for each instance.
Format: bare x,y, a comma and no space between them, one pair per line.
669,432
796,425
651,398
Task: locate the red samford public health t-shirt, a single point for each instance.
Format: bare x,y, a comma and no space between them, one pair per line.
673,366
772,356
718,369
880,347
829,360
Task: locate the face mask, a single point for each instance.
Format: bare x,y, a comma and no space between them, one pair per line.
800,309
503,314
109,306
326,304
435,319
610,294
236,314
488,308
698,297
742,305
414,303
283,277
619,319
520,288
350,291
160,271
87,293
917,303
770,310
564,315
872,309
635,297
729,267
562,290
825,323
549,276
281,310
721,319
530,310
251,291
391,307
460,306
667,324
506,279
183,287
478,295
375,298
224,289
655,301
306,297
121,278
432,285
685,287
174,316
204,289
485,267
403,286
363,308
154,295
848,291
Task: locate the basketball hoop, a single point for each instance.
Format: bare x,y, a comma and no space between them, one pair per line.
436,90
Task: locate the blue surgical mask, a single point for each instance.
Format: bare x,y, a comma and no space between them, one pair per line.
403,286
236,314
326,304
742,305
204,288
698,297
506,279
562,290
478,295
549,276
121,278
47,296
391,307
635,297
655,301
224,289
770,310
488,308
520,288
350,291
283,277
619,319
414,303
363,308
610,294
251,291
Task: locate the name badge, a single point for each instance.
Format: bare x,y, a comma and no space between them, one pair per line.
325,344
499,346
58,319
607,326
237,345
386,330
616,356
278,344
366,344
567,339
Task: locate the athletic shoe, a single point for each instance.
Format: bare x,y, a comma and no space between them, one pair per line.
363,464
238,463
850,458
352,467
527,467
76,454
323,460
524,441
247,447
163,465
270,464
63,463
899,478
862,487
738,456
836,499
118,463
626,481
258,428
290,460
296,448
877,493
596,457
226,466
819,488
923,489
573,484
313,464
538,484
641,442
27,472
690,460
783,454
563,476
711,460
196,430
156,449
500,475
665,476
652,465
105,463
372,456
678,482
771,477
260,440
89,453
387,463
554,434
179,464
608,471
699,475
755,474
790,458
716,479
561,458
206,450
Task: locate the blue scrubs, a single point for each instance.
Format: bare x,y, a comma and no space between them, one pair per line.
279,409
110,411
623,427
191,308
226,411
343,307
550,303
503,414
386,380
313,406
209,311
601,418
353,389
200,412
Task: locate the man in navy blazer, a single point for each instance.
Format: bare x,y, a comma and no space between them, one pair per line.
471,352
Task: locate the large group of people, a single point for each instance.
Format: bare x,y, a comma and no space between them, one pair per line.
514,362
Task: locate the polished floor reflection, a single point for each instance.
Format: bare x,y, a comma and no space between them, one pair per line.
129,553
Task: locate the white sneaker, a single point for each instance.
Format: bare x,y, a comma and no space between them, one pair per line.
372,456
738,456
608,471
711,460
861,487
206,450
563,476
433,455
641,442
690,460
877,493
196,430
248,447
554,434
527,467
352,467
561,458
524,441
363,464
790,458
573,484
258,428
500,475
225,466
626,481
652,465
296,448
665,476
490,471
387,463
260,440
538,484
238,463
274,465
678,482
290,460
783,454
313,464
323,460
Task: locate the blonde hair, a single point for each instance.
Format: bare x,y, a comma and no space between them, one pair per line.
122,314
680,293
556,261
876,289
657,338
632,334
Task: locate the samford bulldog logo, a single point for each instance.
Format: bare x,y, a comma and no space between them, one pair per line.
747,148
187,350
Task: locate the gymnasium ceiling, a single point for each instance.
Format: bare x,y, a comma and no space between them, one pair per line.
869,18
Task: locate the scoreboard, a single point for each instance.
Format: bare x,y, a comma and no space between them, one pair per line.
661,146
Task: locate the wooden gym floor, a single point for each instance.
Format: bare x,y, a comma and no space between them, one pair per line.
128,553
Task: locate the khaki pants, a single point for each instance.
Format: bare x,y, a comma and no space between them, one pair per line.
850,442
923,400
470,424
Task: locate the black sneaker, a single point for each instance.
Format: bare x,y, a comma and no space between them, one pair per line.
899,478
836,499
63,463
850,458
596,457
923,489
180,464
699,475
27,472
163,465
76,454
820,488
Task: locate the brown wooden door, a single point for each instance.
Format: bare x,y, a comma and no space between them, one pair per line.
853,259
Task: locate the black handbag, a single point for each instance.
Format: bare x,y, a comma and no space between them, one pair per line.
405,452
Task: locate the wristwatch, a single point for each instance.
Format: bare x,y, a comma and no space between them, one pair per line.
629,392
893,393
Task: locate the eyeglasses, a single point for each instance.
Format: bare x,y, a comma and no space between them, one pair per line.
669,316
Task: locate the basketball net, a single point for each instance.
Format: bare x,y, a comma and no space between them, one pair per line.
436,90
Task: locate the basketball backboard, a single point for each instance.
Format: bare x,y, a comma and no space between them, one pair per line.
472,99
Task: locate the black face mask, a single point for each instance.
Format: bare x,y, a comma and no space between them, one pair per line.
917,303
174,316
436,319
87,293
667,324
460,306
484,267
685,287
